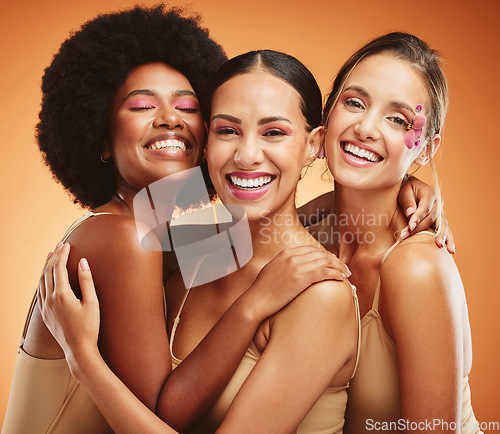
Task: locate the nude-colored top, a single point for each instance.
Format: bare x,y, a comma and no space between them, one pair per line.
374,391
326,416
44,397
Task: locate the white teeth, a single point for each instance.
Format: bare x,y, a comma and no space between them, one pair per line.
250,182
170,144
361,153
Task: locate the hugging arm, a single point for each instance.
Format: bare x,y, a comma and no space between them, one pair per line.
418,200
188,392
425,308
308,343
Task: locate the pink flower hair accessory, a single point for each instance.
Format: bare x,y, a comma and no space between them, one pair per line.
413,130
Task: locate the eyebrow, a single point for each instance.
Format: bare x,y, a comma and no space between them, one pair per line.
262,121
397,104
269,119
149,92
227,118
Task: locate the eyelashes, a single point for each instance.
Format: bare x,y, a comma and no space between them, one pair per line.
356,105
229,131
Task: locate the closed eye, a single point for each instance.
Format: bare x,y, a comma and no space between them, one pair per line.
189,109
142,107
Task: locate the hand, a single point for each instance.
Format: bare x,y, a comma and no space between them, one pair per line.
291,272
73,323
425,215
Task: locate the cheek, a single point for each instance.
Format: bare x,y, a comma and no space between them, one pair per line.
127,128
197,126
331,139
215,155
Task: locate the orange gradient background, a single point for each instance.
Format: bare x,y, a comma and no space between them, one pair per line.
323,33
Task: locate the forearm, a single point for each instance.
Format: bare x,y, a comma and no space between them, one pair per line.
124,412
194,386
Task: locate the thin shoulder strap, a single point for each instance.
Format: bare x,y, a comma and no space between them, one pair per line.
358,323
377,290
184,299
66,235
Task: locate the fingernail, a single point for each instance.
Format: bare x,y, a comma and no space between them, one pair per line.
59,244
84,265
48,256
348,271
413,226
404,233
344,276
409,211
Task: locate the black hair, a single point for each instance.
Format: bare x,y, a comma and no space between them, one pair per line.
281,65
79,85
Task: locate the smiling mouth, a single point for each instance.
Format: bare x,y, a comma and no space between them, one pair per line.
250,183
167,144
362,154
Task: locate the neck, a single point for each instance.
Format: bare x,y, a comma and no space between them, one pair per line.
276,231
365,219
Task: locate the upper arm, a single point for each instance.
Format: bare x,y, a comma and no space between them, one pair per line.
309,342
128,279
422,305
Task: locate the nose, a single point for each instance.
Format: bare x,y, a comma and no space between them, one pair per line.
168,117
367,127
249,153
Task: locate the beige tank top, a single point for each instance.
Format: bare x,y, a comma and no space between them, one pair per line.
44,397
374,391
326,417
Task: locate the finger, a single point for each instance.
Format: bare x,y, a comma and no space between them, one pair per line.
442,233
424,216
324,258
320,274
60,272
86,282
406,199
41,281
321,265
48,272
450,243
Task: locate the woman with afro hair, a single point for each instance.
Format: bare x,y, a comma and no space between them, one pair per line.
121,88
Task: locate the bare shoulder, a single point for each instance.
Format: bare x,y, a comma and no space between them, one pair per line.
417,262
420,282
119,250
114,231
328,302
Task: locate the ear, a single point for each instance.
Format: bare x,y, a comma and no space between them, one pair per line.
314,143
106,152
424,154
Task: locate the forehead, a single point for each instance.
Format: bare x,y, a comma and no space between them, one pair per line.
155,76
257,93
385,76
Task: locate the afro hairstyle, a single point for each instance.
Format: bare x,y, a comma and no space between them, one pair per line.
79,85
